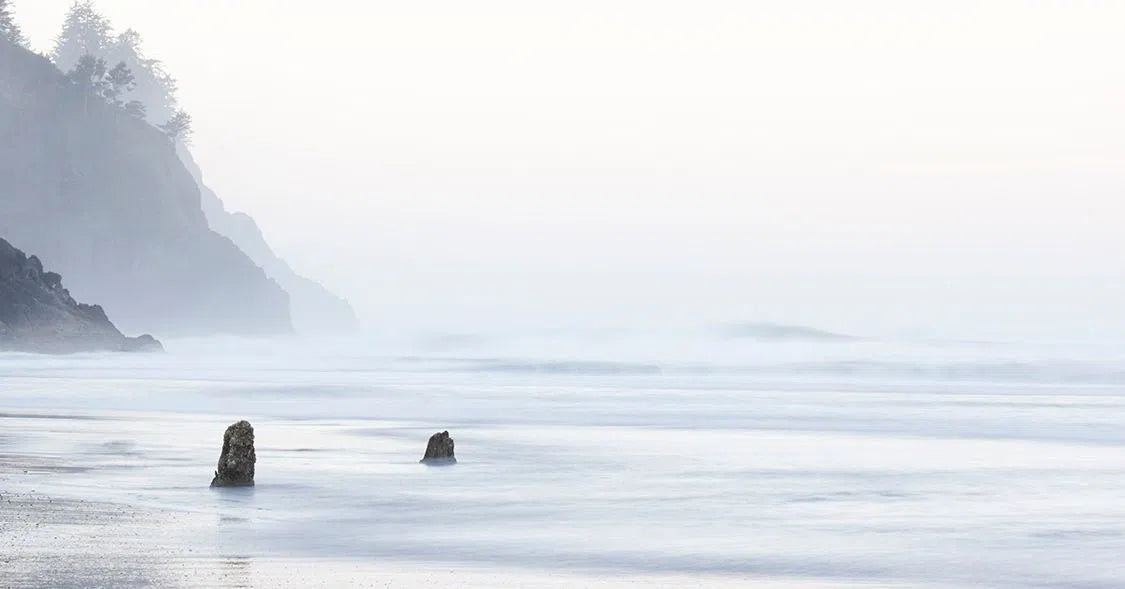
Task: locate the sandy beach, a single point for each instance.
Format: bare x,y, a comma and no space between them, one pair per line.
53,539
568,475
59,542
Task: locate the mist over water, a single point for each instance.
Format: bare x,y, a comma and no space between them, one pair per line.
726,292
751,449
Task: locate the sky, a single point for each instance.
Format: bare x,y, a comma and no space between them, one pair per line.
860,166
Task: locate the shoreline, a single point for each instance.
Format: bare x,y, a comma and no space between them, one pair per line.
596,482
59,541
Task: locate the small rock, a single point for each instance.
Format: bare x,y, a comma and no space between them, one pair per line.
142,343
236,463
439,450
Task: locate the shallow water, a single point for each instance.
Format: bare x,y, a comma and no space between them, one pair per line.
952,464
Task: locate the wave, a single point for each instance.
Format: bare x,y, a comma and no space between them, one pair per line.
1045,372
781,332
558,367
1011,372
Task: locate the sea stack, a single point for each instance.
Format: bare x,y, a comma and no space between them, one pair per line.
236,463
439,450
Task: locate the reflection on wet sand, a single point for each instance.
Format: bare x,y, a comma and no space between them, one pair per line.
234,571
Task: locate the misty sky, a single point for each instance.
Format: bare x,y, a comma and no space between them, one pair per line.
858,165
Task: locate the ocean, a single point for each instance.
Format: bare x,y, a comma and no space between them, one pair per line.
754,457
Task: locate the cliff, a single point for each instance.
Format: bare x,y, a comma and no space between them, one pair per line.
38,315
314,308
103,198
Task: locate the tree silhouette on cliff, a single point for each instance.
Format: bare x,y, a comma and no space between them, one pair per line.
9,29
152,91
178,128
84,32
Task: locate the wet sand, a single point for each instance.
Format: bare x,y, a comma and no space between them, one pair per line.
53,540
564,478
60,543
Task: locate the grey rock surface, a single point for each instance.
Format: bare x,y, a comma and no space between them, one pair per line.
236,462
38,315
439,450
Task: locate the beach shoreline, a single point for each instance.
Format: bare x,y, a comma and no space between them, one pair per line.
53,539
571,479
59,542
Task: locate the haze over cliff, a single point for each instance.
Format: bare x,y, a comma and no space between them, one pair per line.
98,181
102,197
314,309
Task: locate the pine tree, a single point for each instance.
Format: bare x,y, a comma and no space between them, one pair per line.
119,82
89,78
138,85
88,74
85,31
9,29
178,128
153,86
93,79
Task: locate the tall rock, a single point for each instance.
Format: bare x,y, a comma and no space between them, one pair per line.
439,450
314,308
103,198
237,459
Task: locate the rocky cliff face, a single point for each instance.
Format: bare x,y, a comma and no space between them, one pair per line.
314,309
103,198
38,315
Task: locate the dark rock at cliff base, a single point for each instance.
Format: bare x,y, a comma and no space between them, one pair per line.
142,343
236,463
38,315
439,450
